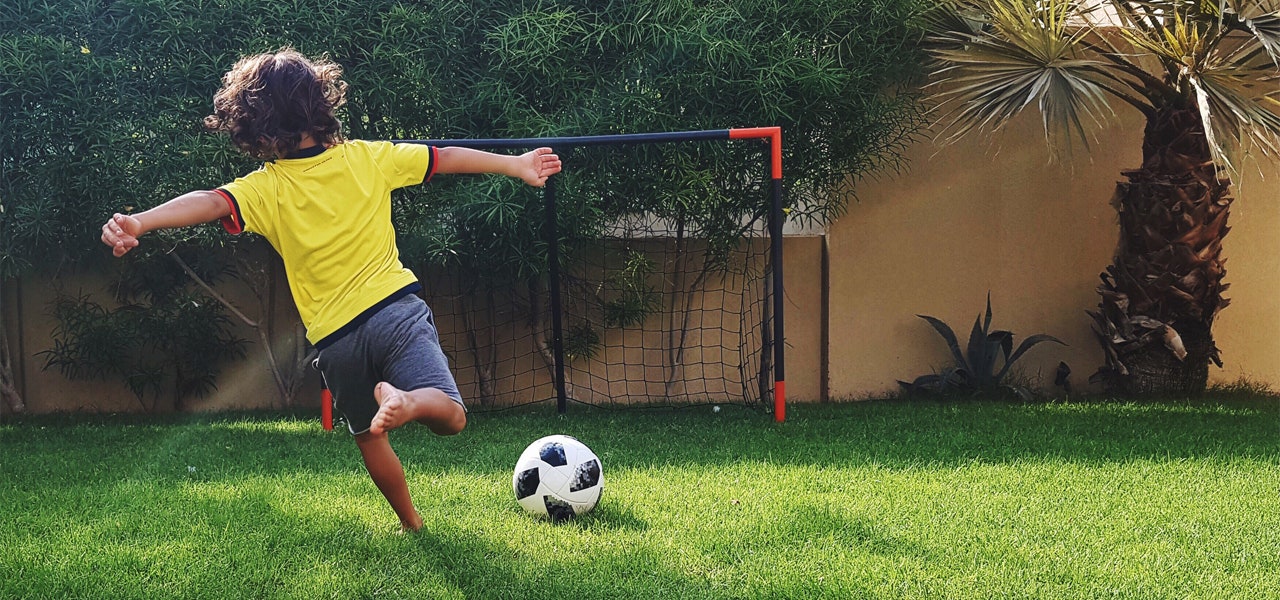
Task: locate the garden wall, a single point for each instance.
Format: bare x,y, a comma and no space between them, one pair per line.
246,384
977,216
956,222
27,305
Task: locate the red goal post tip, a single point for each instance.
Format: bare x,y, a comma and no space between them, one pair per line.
780,401
775,141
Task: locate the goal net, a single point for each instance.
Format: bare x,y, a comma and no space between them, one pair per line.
661,289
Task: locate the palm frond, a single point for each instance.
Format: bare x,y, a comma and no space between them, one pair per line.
1251,9
1261,19
1129,14
1240,105
1180,41
1070,58
1026,53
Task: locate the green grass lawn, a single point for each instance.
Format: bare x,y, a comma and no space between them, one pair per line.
884,499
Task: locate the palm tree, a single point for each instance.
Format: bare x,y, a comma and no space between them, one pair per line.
1202,73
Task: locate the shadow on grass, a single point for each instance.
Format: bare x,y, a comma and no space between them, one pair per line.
247,546
266,531
714,567
482,568
607,517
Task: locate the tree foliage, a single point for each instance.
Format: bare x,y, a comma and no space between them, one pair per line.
101,103
1075,60
103,100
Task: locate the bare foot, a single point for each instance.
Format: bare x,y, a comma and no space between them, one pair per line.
395,408
413,526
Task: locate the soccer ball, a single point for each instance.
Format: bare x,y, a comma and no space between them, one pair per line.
558,477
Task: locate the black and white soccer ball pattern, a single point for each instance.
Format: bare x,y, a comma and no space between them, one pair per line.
558,477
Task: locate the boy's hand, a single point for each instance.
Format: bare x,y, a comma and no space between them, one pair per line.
121,233
537,165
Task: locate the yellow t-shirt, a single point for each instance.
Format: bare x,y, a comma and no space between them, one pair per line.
329,217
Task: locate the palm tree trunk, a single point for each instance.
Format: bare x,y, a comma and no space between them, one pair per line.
1164,287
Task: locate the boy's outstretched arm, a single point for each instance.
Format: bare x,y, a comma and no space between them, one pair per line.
121,232
534,167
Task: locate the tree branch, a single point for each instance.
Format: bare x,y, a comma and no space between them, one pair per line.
8,389
281,387
209,290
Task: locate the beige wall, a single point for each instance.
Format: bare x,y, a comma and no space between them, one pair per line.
979,216
246,384
802,276
956,222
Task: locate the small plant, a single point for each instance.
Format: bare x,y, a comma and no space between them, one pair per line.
983,365
581,341
626,296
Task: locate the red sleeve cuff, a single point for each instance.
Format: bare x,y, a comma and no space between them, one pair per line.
233,222
431,168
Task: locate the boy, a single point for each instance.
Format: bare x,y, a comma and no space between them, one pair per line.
324,204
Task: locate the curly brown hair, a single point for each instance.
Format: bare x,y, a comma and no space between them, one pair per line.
268,102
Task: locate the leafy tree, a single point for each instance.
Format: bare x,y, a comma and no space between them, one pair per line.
102,103
1201,73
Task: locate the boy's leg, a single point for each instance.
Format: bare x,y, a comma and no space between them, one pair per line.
417,384
388,474
429,406
367,369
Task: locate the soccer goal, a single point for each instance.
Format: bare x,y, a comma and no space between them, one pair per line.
654,309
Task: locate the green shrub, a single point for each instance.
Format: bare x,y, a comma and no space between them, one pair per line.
101,106
102,101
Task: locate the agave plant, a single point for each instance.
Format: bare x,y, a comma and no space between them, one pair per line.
983,365
1202,74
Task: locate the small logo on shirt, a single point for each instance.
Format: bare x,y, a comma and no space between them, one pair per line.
317,164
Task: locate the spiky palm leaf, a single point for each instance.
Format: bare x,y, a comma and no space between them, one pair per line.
1202,72
1073,58
990,71
983,364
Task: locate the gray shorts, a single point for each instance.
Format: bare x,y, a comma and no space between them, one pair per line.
398,345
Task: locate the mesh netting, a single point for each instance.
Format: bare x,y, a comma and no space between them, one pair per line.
666,305
666,321
651,321
498,339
